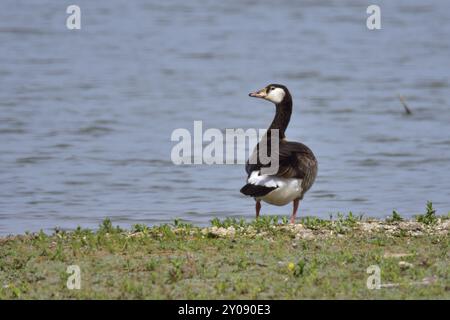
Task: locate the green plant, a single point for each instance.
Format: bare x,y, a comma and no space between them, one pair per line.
299,268
107,227
140,228
430,216
396,217
314,223
343,224
351,219
228,222
151,265
178,223
166,231
265,222
175,271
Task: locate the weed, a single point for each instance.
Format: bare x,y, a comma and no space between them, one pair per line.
151,265
166,231
265,222
299,268
140,228
175,272
396,217
315,223
228,222
429,217
107,227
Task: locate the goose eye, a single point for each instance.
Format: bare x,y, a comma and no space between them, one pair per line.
271,88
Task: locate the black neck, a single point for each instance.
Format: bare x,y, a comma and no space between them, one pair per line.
282,116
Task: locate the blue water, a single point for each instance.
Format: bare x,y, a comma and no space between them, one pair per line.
86,115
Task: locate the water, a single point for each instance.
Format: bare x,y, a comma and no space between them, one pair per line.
86,116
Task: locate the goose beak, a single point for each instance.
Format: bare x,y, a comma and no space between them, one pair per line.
258,94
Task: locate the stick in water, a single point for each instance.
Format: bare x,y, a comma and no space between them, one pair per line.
402,100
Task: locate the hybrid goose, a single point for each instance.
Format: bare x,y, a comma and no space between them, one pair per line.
297,165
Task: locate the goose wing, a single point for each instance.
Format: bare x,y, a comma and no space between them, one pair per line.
295,161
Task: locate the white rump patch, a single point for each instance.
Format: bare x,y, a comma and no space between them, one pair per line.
276,95
262,180
287,190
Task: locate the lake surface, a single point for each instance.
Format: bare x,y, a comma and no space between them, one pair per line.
86,116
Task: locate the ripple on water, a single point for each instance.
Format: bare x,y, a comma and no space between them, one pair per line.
432,84
301,75
336,79
381,139
144,162
323,195
369,162
12,131
23,31
359,200
94,130
396,154
61,146
76,182
33,159
421,162
442,142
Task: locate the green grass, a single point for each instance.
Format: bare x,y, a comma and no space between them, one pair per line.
234,259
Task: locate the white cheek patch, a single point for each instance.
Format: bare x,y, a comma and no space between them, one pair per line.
276,95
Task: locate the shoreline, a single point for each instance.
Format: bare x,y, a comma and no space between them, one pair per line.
234,259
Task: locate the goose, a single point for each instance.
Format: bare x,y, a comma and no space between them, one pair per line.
297,165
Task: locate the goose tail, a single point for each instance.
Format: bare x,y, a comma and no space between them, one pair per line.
256,190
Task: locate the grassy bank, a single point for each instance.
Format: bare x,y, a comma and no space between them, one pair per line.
265,259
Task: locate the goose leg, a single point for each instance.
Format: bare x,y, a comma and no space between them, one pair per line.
258,208
294,210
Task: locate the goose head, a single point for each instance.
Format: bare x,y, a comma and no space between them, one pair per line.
274,93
